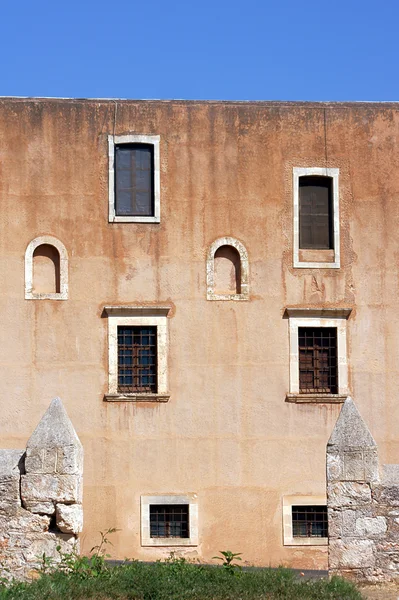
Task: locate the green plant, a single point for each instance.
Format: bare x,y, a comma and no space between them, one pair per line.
47,563
228,559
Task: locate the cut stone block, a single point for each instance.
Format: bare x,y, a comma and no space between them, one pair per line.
348,494
40,508
69,518
351,554
390,475
54,446
11,463
371,526
334,466
24,521
37,488
350,431
387,495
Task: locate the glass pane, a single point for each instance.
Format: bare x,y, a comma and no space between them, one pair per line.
134,180
124,203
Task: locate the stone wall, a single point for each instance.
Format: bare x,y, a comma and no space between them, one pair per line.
363,503
40,495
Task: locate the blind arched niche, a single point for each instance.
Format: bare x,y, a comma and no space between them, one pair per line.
227,270
46,269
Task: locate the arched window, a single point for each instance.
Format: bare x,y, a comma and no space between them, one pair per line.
46,269
227,270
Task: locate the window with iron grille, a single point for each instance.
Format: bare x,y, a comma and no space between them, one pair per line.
169,521
309,521
318,368
134,180
137,359
315,213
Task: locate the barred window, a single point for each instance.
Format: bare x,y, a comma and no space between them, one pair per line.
318,365
315,213
169,521
134,180
309,521
137,359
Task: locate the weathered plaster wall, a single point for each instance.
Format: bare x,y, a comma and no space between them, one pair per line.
41,496
226,434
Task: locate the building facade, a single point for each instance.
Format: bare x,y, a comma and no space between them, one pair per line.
203,284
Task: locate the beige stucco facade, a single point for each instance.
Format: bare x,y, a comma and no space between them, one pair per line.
226,436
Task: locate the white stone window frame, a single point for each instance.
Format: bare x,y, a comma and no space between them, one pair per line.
190,499
321,172
153,140
323,317
59,246
152,316
210,270
298,500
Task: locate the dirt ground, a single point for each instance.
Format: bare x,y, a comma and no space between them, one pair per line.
386,592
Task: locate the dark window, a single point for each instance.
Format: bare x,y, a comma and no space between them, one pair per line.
169,521
315,213
318,369
134,180
137,359
309,521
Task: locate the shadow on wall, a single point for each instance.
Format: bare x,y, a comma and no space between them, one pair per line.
227,271
46,270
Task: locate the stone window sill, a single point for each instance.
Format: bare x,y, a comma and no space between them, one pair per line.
136,397
316,398
165,542
296,541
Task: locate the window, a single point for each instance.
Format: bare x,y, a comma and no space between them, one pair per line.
315,213
318,360
316,218
137,359
227,270
134,179
137,353
309,522
318,354
46,269
134,185
169,520
305,521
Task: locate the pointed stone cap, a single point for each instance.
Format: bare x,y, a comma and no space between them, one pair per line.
350,430
55,429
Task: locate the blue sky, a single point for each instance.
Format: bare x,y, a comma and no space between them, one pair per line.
220,49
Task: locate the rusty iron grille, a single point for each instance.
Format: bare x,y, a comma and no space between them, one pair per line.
169,520
309,521
318,369
137,359
134,180
315,213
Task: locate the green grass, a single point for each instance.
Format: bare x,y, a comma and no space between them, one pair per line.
177,580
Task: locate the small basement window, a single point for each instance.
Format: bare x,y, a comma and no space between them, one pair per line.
169,520
309,522
318,368
315,213
305,520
